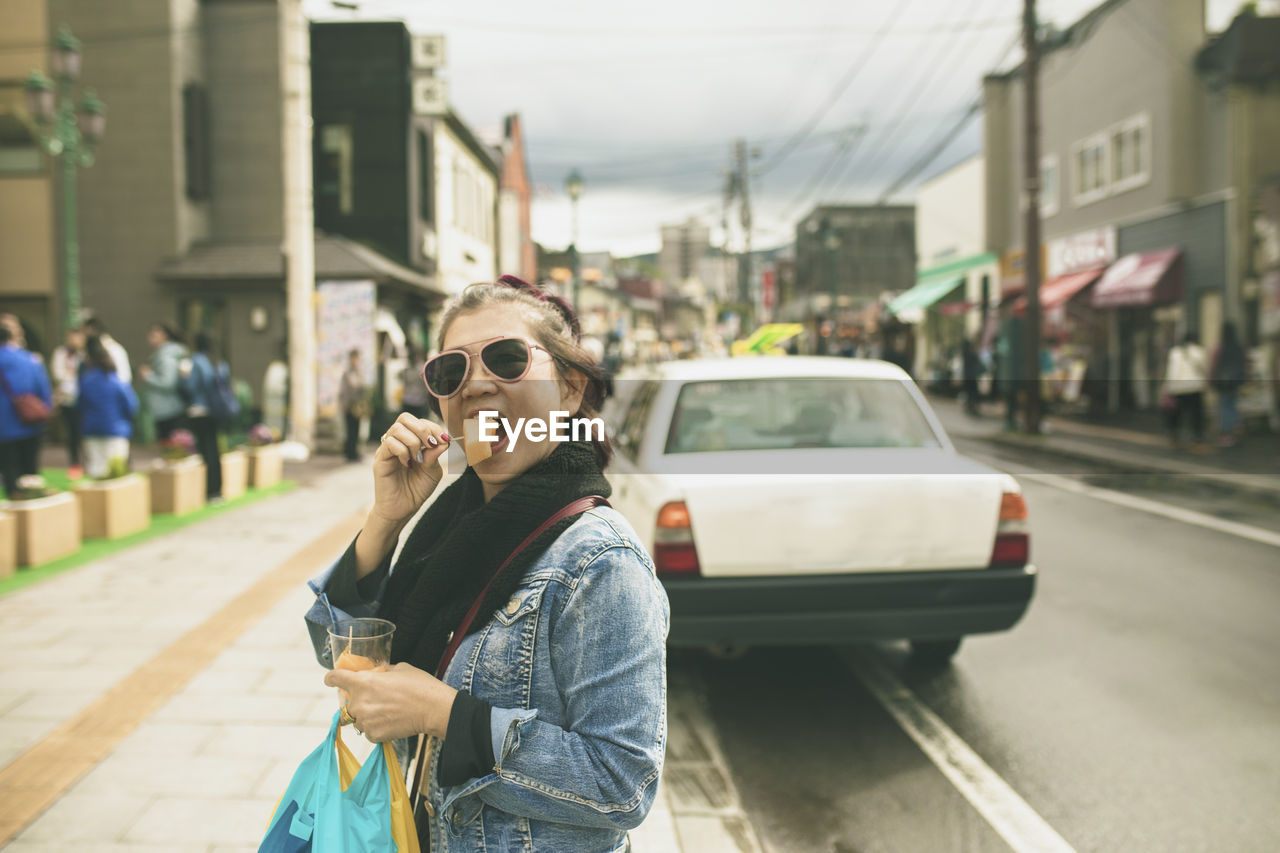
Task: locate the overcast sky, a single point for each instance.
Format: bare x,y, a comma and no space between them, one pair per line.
647,99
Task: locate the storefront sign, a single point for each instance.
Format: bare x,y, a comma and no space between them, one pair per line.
345,312
1083,251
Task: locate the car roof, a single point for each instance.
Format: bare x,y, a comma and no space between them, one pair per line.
763,367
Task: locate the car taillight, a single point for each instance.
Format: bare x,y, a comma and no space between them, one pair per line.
673,549
1013,545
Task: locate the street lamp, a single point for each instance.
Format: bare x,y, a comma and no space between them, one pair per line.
573,183
71,132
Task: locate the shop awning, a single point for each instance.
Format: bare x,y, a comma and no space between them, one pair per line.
1140,280
1058,291
923,295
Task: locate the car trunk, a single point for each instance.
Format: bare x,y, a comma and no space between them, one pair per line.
903,510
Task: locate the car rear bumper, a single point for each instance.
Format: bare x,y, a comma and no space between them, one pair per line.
821,609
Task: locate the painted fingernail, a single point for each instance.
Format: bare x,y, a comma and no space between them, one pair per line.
431,440
420,457
445,436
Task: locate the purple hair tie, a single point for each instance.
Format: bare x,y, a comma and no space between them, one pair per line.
565,309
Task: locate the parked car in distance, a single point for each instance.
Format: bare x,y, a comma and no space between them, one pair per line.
796,500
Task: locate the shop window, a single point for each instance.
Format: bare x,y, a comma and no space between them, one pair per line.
19,149
1131,153
1048,185
1090,179
335,188
426,179
195,140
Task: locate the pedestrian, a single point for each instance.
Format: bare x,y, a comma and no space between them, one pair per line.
162,379
64,370
275,391
1226,376
200,389
107,407
561,680
353,399
119,357
970,370
21,374
415,398
1185,380
1010,360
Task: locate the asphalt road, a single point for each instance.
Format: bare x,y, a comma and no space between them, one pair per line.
1135,708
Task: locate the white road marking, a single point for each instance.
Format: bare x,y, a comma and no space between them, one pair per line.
1176,513
1016,822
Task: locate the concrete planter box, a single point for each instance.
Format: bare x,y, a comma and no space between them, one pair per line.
178,487
110,509
235,473
266,466
8,544
47,528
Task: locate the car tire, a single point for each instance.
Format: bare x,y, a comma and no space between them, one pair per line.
934,652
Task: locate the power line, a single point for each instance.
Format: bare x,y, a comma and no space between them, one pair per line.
948,137
939,63
858,64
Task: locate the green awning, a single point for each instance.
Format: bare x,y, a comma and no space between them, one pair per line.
924,294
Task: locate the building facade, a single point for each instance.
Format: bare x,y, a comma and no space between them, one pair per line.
517,253
30,272
1150,147
854,253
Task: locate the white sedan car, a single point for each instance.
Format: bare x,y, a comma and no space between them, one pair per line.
793,500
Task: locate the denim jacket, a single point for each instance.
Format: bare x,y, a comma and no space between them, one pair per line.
574,666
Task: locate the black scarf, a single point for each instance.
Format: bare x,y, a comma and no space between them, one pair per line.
461,541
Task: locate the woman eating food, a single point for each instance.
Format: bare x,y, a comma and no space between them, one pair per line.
529,596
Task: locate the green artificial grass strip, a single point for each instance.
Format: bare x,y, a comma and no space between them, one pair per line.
96,549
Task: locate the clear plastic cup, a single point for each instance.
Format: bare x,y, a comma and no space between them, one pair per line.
360,644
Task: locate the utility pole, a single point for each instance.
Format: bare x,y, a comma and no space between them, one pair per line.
1031,198
298,245
743,182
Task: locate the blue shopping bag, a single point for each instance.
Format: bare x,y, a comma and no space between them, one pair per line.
316,815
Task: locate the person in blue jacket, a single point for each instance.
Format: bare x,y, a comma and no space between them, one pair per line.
200,387
107,407
22,373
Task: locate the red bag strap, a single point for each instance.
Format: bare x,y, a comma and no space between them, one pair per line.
581,505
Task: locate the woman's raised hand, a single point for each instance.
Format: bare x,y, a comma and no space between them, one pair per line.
406,468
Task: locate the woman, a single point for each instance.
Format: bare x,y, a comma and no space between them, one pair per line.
548,729
64,370
200,386
1226,376
162,379
107,407
20,373
1185,380
353,399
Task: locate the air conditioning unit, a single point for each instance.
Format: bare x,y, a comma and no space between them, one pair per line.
429,98
428,52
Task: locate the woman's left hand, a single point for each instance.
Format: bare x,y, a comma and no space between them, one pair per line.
393,703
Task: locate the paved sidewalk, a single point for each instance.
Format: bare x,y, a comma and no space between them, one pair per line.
204,769
1253,466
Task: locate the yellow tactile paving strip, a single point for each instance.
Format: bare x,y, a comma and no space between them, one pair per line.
36,779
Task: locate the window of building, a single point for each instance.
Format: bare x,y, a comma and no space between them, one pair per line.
426,179
1130,153
19,149
1090,180
195,140
1049,201
335,189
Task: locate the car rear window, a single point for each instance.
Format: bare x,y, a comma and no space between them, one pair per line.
777,414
